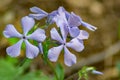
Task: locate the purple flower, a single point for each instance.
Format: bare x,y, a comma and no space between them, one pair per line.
31,50
59,16
75,44
71,22
38,14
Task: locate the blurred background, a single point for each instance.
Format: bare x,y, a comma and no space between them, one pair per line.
102,49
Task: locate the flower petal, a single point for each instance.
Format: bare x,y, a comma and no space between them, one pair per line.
74,20
38,35
97,72
61,10
54,53
76,45
69,58
37,10
40,48
74,31
27,23
31,50
83,35
89,26
64,31
10,32
50,17
37,16
55,35
61,22
14,50
60,18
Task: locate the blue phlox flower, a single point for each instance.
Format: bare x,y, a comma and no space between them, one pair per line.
38,14
69,58
31,50
55,16
71,21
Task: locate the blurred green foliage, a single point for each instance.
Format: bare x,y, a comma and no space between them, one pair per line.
83,73
10,71
118,68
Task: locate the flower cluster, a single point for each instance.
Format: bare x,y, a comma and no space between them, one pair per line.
68,23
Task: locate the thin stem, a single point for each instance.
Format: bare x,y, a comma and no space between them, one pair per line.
52,68
22,62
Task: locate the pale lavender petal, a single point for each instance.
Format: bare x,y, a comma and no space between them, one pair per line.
67,14
37,10
50,17
40,48
60,18
10,31
97,72
55,35
55,14
31,50
90,27
64,31
61,22
38,35
14,50
75,44
61,10
69,58
54,53
74,20
37,16
27,23
74,31
83,35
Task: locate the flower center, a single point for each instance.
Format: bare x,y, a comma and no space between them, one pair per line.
64,44
24,37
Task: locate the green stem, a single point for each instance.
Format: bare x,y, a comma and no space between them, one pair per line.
22,62
53,69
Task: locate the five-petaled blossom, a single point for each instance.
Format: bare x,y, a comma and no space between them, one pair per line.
31,50
75,44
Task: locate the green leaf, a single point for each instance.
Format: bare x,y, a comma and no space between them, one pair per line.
11,60
59,71
34,75
13,40
46,45
83,73
7,70
10,71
